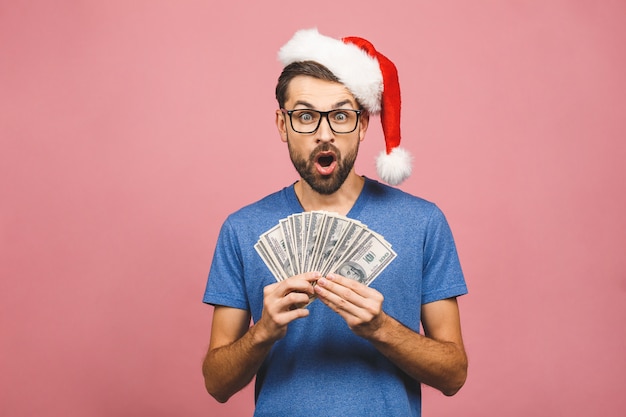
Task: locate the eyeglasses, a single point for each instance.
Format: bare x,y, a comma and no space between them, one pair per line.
308,121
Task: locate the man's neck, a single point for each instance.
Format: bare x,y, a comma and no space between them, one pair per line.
341,201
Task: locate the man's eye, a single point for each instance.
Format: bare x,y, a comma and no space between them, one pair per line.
306,117
340,117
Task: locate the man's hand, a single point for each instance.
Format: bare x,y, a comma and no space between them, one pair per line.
359,305
437,359
283,303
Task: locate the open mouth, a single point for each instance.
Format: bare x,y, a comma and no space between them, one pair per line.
325,160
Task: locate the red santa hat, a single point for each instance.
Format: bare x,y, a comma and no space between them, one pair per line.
373,80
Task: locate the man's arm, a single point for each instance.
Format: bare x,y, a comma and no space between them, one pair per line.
233,357
236,350
437,359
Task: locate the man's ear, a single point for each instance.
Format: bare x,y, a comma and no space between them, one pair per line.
363,125
281,125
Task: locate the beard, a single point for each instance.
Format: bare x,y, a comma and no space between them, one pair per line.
324,184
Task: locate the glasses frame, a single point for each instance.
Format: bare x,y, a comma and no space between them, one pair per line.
323,115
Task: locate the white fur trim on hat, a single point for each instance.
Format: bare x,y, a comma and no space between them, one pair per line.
354,68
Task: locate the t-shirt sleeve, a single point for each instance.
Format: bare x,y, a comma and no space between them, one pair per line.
442,274
225,285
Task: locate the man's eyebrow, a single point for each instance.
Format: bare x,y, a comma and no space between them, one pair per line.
342,103
303,103
337,105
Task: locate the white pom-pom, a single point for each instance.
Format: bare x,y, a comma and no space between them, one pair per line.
395,167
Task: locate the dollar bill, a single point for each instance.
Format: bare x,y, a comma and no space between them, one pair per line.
366,261
333,230
290,244
314,238
267,259
274,242
299,224
353,234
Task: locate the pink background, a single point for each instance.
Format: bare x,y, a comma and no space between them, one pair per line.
130,129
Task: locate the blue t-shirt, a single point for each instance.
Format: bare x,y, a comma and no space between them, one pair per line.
320,368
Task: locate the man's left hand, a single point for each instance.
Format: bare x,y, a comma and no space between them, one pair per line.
359,305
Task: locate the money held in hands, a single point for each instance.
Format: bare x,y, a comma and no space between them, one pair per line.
325,242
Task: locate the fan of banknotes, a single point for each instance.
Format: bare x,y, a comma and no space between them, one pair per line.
326,242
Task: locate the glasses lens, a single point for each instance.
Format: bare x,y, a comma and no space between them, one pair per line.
343,121
305,121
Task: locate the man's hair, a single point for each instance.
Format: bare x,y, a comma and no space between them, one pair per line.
308,68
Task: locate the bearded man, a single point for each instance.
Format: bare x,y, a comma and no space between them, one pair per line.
356,350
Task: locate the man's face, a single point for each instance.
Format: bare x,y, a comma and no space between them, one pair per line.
324,159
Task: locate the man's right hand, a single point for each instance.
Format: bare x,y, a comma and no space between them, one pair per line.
284,302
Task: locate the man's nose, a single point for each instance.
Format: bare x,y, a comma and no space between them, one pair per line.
324,132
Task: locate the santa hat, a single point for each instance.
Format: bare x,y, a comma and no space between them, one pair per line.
373,80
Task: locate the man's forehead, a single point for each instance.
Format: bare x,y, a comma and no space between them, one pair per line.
315,92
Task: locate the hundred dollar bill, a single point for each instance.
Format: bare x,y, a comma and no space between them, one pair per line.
334,228
298,229
267,259
290,243
274,243
314,229
346,243
366,261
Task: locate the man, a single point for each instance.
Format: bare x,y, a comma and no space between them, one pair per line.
356,350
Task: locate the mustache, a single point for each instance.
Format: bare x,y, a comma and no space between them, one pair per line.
325,147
